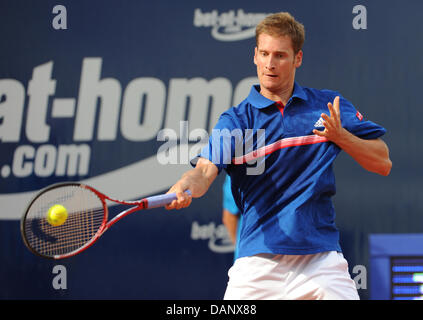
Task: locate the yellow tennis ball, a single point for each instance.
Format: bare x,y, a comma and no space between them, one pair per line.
57,215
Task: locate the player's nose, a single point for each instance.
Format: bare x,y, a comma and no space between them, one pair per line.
270,63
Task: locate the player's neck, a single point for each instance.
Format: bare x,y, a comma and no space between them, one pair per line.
282,95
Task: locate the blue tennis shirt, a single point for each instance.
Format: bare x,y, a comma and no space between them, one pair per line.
282,175
228,200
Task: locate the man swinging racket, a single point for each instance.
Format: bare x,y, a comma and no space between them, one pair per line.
289,244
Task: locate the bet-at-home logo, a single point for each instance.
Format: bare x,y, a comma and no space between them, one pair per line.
229,26
216,235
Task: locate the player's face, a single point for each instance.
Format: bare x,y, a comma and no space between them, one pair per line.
276,64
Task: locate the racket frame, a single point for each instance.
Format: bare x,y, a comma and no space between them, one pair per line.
105,225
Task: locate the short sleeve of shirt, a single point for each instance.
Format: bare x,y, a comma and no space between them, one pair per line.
221,145
228,199
355,122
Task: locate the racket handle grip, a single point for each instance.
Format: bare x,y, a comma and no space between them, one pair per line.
162,200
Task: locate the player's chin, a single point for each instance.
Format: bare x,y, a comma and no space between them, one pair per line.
271,84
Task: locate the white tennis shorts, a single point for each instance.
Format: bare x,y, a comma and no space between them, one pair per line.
322,276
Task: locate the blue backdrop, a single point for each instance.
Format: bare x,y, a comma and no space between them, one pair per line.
87,88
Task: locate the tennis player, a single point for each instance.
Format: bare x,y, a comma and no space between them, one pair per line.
289,243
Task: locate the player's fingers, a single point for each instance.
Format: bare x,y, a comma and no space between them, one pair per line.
171,205
334,108
334,114
328,123
331,111
336,104
188,199
183,200
319,133
176,204
326,117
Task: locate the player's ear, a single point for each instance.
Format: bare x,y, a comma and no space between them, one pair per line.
255,55
298,59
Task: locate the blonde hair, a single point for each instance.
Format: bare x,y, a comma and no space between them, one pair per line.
282,24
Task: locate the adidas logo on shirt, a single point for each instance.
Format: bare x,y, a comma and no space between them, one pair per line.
319,123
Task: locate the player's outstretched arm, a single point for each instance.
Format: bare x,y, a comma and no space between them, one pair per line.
372,155
197,180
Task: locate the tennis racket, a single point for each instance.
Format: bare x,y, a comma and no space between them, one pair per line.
87,218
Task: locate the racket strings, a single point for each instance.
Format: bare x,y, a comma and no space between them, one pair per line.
75,232
85,219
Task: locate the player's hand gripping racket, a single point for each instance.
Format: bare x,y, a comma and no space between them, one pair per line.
66,218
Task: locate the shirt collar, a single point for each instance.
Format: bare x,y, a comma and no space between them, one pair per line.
260,102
